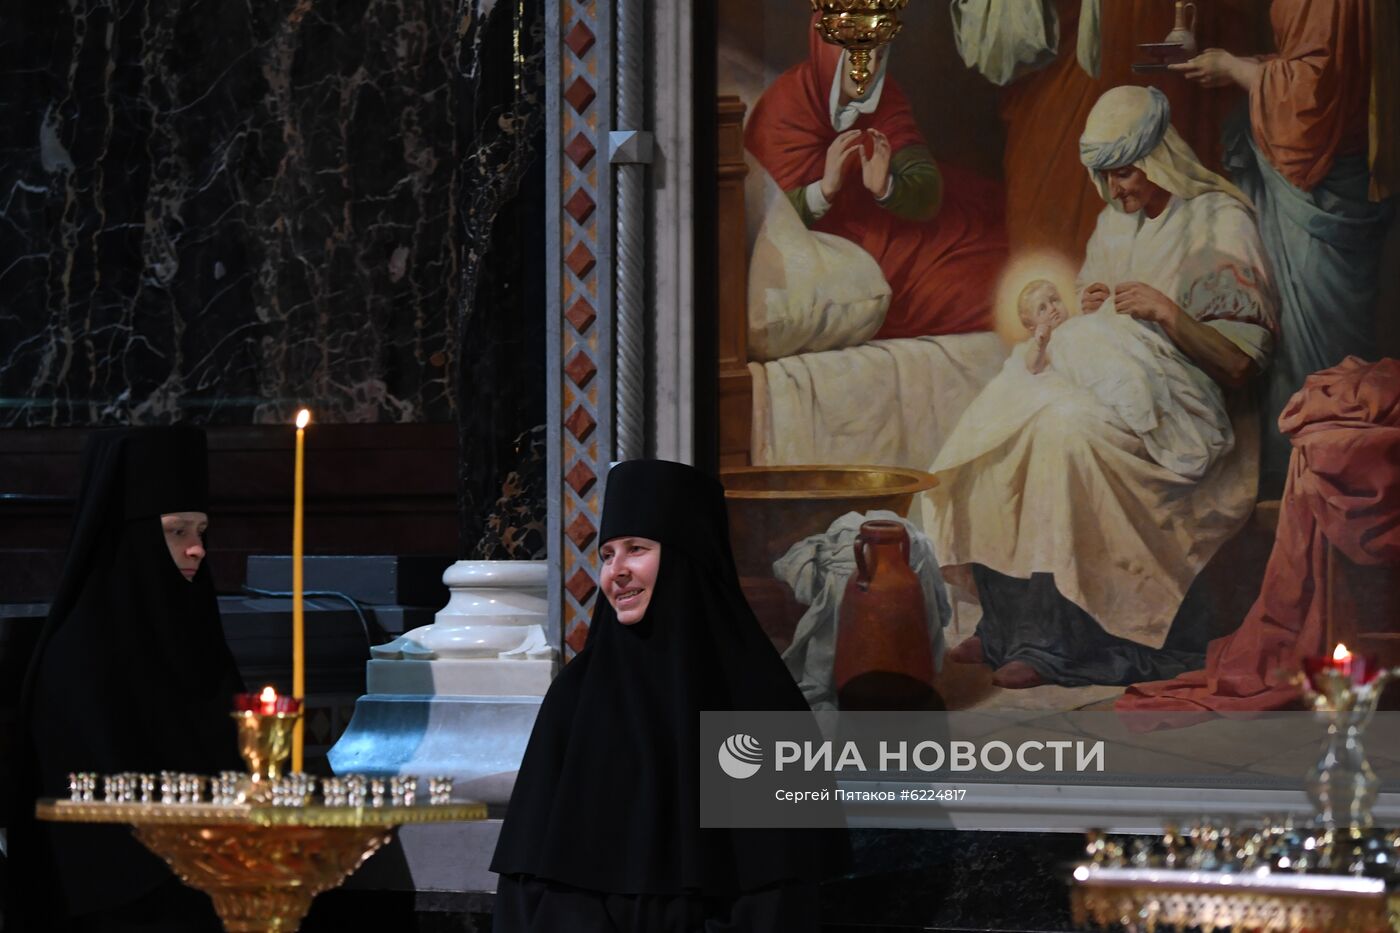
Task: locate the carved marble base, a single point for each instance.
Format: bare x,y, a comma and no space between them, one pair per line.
496,610
479,741
483,678
459,697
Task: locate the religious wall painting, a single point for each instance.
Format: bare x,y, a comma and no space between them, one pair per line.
895,244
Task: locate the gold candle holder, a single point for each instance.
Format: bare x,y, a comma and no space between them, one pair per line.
859,27
264,741
261,860
260,865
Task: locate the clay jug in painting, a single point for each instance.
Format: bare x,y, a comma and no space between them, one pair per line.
1184,32
883,656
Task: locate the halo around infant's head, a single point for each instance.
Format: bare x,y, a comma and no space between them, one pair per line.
1021,271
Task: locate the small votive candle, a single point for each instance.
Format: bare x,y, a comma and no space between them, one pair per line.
333,791
191,788
1358,669
439,790
402,790
266,703
222,788
295,789
355,787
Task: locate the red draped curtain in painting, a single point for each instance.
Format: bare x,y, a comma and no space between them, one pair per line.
1050,200
1344,493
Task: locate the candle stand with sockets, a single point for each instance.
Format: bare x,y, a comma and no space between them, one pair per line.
1336,874
261,843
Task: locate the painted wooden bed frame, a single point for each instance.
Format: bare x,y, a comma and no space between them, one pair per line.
735,385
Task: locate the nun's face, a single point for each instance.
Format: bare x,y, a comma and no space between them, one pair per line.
629,575
184,535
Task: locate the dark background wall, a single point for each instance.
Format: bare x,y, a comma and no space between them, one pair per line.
219,213
222,211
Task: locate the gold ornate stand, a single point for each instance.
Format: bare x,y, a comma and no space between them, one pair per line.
261,865
1151,900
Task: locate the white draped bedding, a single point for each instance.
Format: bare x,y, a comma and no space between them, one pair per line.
890,402
823,392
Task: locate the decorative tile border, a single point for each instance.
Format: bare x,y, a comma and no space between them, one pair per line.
580,287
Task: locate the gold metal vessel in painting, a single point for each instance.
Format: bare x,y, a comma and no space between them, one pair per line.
860,27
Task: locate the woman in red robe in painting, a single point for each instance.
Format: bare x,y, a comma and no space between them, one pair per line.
1317,173
1318,165
936,230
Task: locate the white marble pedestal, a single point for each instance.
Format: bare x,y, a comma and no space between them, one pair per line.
459,697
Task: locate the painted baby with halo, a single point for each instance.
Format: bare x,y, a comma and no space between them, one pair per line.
1132,367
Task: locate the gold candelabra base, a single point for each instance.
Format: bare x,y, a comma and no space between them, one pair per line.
1147,901
261,865
262,879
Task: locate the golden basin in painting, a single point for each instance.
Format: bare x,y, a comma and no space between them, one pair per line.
772,507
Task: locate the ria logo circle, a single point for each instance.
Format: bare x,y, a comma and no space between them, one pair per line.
740,756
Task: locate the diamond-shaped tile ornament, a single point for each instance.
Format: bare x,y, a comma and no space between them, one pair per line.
577,637
580,423
580,478
579,150
318,724
580,369
579,39
580,586
580,261
581,531
580,206
580,94
581,315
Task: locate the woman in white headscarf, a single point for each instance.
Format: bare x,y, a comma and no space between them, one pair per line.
1081,545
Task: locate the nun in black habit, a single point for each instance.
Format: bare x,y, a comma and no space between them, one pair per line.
602,831
131,673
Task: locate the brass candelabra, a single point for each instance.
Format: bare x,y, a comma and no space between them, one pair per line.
260,846
1344,690
1339,874
860,27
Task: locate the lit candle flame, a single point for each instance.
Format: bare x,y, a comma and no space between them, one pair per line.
303,418
268,695
1341,654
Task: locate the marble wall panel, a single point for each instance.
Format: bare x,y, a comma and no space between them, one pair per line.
219,211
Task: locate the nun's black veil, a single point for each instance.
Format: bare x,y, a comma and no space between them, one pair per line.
607,797
131,672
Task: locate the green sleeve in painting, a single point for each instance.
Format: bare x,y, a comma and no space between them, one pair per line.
918,188
798,197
